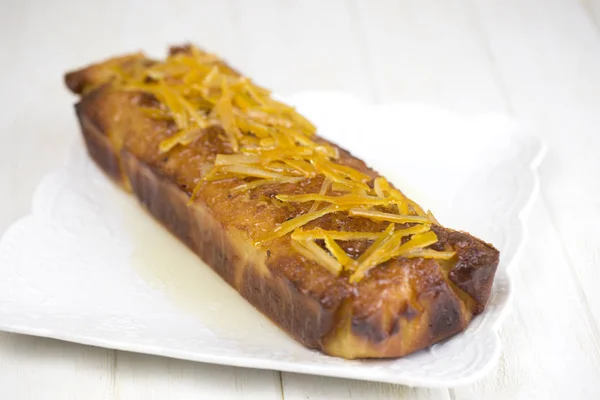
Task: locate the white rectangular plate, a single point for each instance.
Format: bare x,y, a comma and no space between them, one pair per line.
89,266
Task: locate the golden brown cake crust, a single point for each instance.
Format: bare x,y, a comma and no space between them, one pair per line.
401,306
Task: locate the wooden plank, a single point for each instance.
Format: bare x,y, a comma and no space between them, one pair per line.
552,76
35,368
593,8
427,50
294,45
299,387
547,59
147,377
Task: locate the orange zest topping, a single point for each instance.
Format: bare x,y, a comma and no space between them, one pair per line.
429,253
339,253
300,234
390,247
384,216
349,200
269,143
324,187
314,252
383,237
295,223
261,182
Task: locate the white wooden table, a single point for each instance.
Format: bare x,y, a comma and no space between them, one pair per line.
538,60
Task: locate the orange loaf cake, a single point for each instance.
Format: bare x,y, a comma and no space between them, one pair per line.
317,241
